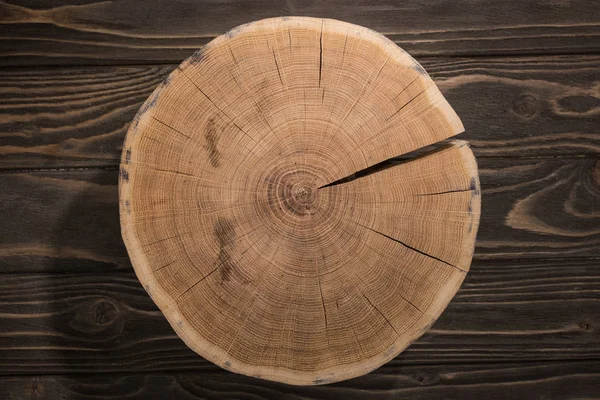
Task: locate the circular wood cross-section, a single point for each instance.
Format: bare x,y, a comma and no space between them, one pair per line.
252,216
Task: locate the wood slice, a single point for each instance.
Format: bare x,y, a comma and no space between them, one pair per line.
252,216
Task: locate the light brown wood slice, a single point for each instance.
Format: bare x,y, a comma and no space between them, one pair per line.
241,227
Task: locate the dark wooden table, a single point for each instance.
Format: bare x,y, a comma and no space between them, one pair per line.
525,78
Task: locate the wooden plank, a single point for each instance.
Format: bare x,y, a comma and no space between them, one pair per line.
73,117
68,220
61,220
92,323
99,32
513,381
539,208
510,107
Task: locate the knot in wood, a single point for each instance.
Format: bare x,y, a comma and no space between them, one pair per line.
104,312
525,106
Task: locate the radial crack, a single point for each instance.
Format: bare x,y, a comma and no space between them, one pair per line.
394,161
205,95
400,294
321,293
229,118
406,87
200,280
380,313
277,65
410,247
163,239
165,266
321,52
169,126
406,104
447,191
232,55
176,172
363,172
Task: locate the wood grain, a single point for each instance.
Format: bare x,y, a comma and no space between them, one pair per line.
538,208
521,107
103,32
53,118
61,220
576,380
92,323
67,220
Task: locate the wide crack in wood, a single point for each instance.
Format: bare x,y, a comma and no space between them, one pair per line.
394,161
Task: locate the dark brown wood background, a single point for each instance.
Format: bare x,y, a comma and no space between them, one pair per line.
523,75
